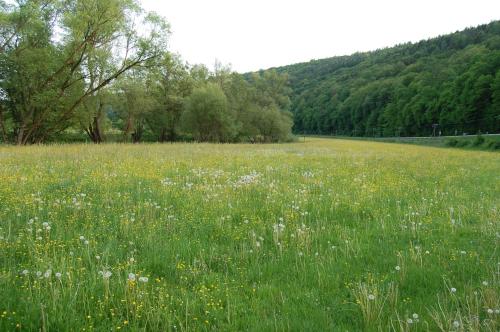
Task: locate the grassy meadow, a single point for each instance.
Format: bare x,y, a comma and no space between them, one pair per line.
326,235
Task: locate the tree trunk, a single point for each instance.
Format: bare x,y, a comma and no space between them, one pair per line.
20,140
2,127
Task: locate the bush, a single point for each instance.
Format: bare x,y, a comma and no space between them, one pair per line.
478,141
452,142
493,145
462,143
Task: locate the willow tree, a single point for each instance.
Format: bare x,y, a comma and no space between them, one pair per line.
57,54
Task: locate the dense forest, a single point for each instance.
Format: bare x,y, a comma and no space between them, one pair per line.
103,69
448,85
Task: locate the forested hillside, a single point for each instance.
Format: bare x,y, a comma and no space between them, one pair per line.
450,83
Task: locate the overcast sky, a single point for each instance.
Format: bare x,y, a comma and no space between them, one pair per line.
258,34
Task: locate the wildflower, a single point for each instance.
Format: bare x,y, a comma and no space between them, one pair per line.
25,272
415,316
398,268
98,257
143,279
105,274
86,242
456,324
131,277
409,321
485,283
453,289
82,238
38,274
371,297
47,274
463,252
58,275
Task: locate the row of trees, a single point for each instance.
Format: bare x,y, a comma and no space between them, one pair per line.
86,66
449,84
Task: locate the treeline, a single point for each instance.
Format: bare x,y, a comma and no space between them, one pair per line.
102,68
448,85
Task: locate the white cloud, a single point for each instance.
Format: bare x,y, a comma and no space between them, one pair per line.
259,34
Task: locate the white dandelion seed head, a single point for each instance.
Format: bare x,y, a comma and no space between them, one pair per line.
415,316
453,290
86,242
98,257
82,238
398,268
131,277
143,279
45,224
58,275
409,321
25,272
38,273
47,274
490,311
371,297
485,283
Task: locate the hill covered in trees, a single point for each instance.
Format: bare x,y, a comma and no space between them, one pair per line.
451,83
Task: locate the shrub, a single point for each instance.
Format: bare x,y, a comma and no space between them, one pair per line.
478,141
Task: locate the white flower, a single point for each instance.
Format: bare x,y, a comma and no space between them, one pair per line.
86,242
453,289
490,311
485,283
409,321
456,324
48,228
25,272
131,277
132,259
371,297
398,268
47,274
39,273
98,257
415,316
143,279
58,275
105,274
497,311
45,224
463,252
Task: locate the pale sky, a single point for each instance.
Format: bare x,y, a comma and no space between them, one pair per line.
258,34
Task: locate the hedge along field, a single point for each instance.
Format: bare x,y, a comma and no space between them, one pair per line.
323,235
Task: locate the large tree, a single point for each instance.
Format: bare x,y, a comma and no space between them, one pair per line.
56,54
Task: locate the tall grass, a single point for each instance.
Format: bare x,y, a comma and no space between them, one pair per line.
323,235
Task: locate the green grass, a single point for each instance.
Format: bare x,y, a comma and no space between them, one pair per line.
478,142
324,235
